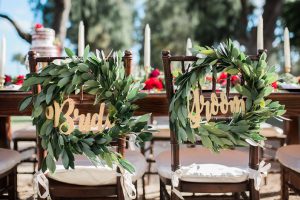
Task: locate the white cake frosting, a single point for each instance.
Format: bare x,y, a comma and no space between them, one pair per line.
42,42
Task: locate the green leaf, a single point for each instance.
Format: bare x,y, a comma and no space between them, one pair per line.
83,67
127,165
44,128
65,159
69,52
206,142
25,103
50,163
86,52
91,83
50,93
63,82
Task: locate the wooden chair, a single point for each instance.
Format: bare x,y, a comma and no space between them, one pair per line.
61,189
275,139
9,160
289,159
26,135
186,156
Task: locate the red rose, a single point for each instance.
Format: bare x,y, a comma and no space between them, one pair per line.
222,79
274,85
20,80
235,79
7,79
37,26
153,83
155,73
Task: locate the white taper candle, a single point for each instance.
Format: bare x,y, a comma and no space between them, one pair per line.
189,45
2,56
80,39
287,51
260,34
147,47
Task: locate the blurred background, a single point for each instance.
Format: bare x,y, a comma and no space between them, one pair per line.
120,24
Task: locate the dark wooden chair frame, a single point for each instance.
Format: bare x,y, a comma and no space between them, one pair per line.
8,183
59,190
191,187
289,179
32,160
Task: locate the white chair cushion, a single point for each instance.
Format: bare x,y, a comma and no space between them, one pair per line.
268,130
27,133
289,156
8,159
85,173
229,166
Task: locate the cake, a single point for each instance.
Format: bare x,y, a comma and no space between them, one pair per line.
43,42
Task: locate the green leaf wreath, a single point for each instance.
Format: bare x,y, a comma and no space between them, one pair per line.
107,81
258,77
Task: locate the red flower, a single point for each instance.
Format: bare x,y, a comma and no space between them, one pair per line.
7,79
274,85
153,83
235,79
20,80
37,26
155,73
222,77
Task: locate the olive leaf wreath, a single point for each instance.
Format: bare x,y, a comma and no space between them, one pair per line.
95,75
258,77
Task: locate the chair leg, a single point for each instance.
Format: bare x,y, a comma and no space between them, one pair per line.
150,163
12,180
254,194
143,185
236,196
284,187
15,145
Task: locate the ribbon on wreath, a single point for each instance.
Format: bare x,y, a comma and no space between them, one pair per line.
39,179
131,142
259,174
129,190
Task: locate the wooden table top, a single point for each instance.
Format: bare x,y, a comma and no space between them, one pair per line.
155,103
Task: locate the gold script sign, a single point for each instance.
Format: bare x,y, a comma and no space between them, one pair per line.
212,107
87,122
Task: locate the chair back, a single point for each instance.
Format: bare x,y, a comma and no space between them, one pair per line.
185,62
34,61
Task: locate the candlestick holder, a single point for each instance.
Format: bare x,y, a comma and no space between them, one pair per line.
2,81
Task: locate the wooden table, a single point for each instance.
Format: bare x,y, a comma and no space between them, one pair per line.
156,104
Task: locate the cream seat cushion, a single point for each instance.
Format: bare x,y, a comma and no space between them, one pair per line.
289,156
27,133
229,166
8,159
85,173
268,130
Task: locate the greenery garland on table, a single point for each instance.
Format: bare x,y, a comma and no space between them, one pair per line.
258,77
106,79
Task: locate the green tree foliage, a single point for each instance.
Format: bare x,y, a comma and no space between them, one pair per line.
108,24
292,21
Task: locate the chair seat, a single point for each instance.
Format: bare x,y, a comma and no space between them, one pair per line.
163,131
289,156
272,132
26,133
85,173
8,159
201,165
